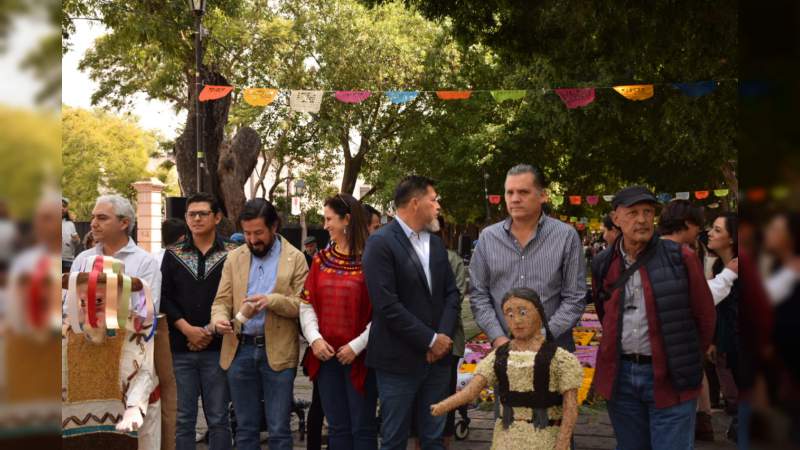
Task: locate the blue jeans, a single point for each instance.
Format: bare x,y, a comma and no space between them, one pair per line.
350,415
638,424
251,380
199,374
429,384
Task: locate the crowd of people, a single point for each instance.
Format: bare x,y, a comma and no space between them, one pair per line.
380,308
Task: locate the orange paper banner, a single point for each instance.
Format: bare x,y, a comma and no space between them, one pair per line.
701,194
259,96
214,92
574,199
758,194
635,91
453,95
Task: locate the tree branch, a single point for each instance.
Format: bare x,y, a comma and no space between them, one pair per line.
372,190
345,141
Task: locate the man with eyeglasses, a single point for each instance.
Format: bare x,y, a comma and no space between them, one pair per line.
261,353
191,271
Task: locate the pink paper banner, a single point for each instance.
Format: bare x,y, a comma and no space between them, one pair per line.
592,199
586,354
576,97
473,358
591,323
352,96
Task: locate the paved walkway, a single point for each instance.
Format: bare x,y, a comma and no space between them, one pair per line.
592,431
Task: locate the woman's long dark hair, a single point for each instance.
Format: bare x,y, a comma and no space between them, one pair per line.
732,227
356,231
531,296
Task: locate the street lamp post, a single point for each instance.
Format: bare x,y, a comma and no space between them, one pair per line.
199,8
299,188
486,194
288,207
299,192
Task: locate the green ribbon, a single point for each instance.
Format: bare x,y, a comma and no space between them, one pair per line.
124,302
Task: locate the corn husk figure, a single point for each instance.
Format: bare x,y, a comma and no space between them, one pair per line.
107,359
30,406
535,381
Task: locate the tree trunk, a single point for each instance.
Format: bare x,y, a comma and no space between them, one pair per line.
303,226
215,117
729,172
352,167
237,159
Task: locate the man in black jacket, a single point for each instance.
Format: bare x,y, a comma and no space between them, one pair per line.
415,305
191,273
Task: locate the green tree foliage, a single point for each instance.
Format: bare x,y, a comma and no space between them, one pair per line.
102,153
670,142
29,149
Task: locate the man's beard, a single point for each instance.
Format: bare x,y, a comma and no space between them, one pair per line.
433,225
261,253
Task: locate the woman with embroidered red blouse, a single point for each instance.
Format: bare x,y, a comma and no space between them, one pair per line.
335,317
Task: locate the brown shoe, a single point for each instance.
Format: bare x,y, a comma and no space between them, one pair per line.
703,430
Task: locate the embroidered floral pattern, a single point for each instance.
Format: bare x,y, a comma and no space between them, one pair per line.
332,261
188,255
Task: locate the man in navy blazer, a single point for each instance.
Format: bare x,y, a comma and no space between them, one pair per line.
415,306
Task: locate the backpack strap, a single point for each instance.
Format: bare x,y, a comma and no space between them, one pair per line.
501,372
540,399
543,397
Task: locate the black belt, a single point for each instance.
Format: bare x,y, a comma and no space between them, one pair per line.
637,358
550,423
258,341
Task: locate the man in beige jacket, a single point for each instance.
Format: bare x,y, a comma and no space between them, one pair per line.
260,353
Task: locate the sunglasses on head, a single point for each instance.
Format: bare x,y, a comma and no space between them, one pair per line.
346,205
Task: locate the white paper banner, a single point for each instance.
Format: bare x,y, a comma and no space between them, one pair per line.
305,101
295,206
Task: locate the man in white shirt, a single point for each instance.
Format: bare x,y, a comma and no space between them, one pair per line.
113,219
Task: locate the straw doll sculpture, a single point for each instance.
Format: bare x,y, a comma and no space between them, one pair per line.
30,351
108,373
535,381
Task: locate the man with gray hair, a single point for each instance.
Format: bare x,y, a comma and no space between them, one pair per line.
113,220
528,249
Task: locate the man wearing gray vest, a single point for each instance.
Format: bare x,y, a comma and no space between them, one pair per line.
658,319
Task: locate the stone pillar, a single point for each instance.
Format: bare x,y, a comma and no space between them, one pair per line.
148,213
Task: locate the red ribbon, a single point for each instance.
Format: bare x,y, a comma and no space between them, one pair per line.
36,301
91,294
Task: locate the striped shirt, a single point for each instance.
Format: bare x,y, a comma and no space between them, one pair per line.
551,263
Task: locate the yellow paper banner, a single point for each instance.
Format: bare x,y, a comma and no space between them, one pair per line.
582,337
259,96
635,91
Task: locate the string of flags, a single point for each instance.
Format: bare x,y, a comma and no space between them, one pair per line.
557,200
594,224
573,98
760,194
